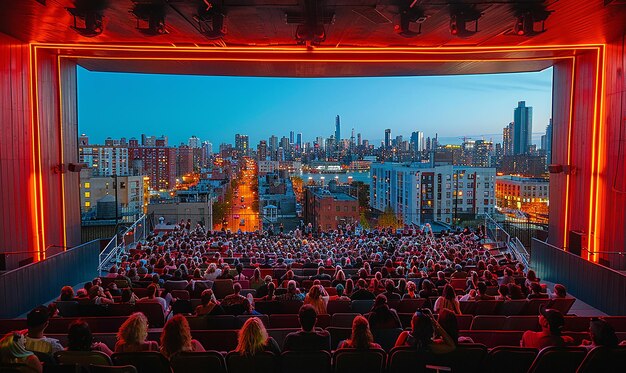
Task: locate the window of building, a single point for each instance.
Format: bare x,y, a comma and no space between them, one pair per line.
87,185
338,208
87,204
87,194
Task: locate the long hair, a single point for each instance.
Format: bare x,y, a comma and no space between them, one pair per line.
421,330
134,330
448,292
361,335
176,336
447,320
252,337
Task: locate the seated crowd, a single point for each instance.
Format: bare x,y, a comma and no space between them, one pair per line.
172,269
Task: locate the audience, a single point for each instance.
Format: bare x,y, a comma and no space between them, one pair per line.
308,338
361,338
37,322
383,317
423,326
447,301
253,339
176,337
208,304
13,351
317,298
79,338
601,333
551,322
132,335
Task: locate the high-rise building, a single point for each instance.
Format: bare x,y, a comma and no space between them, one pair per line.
161,141
337,130
420,193
208,146
359,141
417,142
261,150
241,145
546,143
184,160
522,128
507,140
83,140
388,138
284,143
273,144
292,137
159,164
194,142
299,141
105,160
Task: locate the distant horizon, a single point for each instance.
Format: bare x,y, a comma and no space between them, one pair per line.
215,108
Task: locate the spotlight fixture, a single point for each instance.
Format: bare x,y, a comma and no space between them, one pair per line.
459,20
88,17
526,20
150,18
210,19
409,13
310,29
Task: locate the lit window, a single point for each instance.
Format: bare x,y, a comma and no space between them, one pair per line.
87,194
87,204
87,185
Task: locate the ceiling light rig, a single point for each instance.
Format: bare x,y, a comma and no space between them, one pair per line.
210,18
88,16
150,17
410,13
459,20
310,29
526,20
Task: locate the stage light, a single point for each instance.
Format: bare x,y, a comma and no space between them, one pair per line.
88,17
527,18
310,21
409,13
210,19
150,18
459,18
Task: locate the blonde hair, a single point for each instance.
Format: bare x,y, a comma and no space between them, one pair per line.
252,337
176,336
134,330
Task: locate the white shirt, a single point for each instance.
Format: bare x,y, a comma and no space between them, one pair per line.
44,345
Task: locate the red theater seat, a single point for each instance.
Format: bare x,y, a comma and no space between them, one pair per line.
558,360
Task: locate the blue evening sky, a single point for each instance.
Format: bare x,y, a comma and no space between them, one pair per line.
216,108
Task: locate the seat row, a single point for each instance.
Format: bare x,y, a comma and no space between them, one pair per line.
467,358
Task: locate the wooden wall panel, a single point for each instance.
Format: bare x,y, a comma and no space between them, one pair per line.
18,228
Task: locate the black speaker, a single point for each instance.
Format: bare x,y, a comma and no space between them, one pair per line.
576,242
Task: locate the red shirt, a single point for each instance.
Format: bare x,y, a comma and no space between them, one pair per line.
542,339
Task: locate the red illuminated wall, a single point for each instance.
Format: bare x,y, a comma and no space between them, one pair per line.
36,210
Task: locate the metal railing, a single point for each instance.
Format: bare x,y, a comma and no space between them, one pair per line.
495,231
520,251
118,243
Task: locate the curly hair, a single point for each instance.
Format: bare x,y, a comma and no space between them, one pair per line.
134,330
176,336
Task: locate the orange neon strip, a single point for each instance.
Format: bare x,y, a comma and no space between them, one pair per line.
569,154
599,182
34,193
61,138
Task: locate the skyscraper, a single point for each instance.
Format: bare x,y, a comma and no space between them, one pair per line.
194,142
417,142
292,137
522,128
241,145
337,130
273,144
546,142
507,140
261,150
299,141
387,138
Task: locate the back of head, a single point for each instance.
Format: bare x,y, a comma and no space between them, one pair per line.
361,334
448,292
37,318
560,290
252,337
421,329
176,336
447,320
602,333
79,337
307,317
237,287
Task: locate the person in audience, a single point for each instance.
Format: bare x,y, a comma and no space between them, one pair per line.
448,301
428,289
128,296
481,292
458,272
489,279
340,278
390,290
503,293
176,337
239,269
152,297
131,337
13,351
559,292
308,338
472,281
321,275
236,303
36,341
448,321
256,281
423,326
98,297
67,294
441,279
317,298
271,293
292,293
515,291
361,292
361,338
114,290
507,278
226,275
340,294
551,322
411,289
470,296
112,272
383,317
535,292
531,278
253,339
209,305
601,333
261,291
79,338
401,289
349,287
212,272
